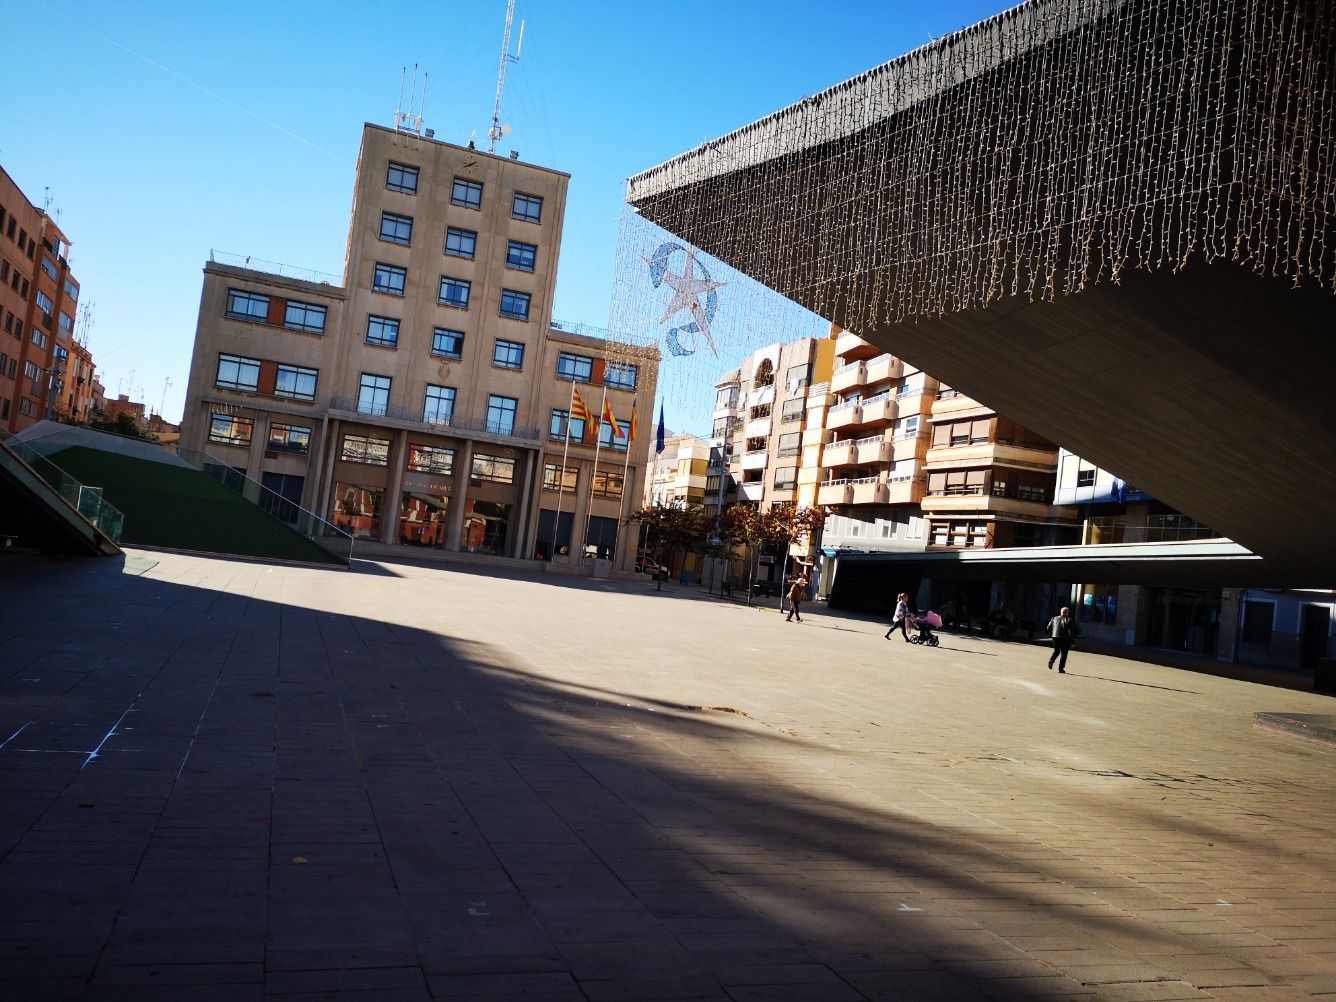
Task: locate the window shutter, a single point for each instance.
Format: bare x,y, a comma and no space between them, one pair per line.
268,374
278,311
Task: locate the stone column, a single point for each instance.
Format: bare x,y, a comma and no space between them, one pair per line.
389,507
459,496
1227,635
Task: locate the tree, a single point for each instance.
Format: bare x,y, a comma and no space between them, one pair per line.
673,529
740,525
785,524
122,424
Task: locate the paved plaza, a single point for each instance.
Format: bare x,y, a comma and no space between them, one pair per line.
229,780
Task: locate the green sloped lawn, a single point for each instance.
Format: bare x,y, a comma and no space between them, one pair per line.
184,509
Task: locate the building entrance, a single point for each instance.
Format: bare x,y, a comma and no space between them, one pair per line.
1183,620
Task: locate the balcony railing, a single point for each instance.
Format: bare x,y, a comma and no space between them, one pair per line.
436,422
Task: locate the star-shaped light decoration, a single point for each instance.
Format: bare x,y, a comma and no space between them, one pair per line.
687,290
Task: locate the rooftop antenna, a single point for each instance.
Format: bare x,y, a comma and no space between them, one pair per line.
165,384
497,130
85,323
406,121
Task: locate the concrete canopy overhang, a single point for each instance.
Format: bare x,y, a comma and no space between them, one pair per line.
1170,318
1206,564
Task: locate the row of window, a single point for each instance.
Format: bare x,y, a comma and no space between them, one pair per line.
13,324
459,242
580,369
607,483
372,451
236,372
392,279
27,245
463,192
237,429
254,307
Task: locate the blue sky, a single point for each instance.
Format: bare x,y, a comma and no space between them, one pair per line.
164,129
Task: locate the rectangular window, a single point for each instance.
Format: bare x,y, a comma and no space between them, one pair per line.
454,292
790,445
440,405
466,193
1257,621
295,382
508,355
373,394
383,331
431,459
1085,478
521,256
792,411
396,229
610,441
621,376
66,324
461,243
401,177
514,304
72,291
238,373
247,306
389,279
495,469
44,302
575,367
304,317
49,267
567,475
38,338
364,449
289,438
28,407
501,415
786,477
447,343
560,420
607,484
528,207
231,429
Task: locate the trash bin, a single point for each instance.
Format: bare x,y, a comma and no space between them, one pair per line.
725,588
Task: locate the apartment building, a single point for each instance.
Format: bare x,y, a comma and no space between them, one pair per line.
80,399
679,474
428,400
38,301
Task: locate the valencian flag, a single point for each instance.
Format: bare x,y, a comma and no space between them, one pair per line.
612,421
579,412
635,425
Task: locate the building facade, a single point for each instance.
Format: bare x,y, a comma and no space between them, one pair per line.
38,301
428,400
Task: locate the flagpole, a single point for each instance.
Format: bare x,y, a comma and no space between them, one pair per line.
626,464
598,444
561,474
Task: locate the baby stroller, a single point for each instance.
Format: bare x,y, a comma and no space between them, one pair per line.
924,626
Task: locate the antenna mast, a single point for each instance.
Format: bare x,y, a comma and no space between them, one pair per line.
495,133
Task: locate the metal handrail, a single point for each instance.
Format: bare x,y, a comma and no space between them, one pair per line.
105,517
350,404
319,531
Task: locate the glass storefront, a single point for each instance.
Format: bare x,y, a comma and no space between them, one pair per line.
424,510
485,525
357,510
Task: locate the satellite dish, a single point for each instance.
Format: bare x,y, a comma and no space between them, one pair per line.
506,130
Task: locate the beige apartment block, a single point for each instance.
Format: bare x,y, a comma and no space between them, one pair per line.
867,443
426,400
678,475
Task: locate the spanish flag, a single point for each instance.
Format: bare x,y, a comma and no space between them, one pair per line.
579,412
612,421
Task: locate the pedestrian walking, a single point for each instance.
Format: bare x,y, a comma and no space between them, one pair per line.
1063,629
901,616
797,594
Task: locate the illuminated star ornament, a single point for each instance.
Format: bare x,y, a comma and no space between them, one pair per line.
696,296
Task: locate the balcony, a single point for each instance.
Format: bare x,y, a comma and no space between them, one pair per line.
751,492
838,454
346,408
758,428
869,490
835,492
992,454
908,489
955,405
844,416
815,436
882,369
874,449
879,410
755,460
911,446
853,348
976,500
848,377
764,395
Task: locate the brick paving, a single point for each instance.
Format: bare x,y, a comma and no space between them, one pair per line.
228,780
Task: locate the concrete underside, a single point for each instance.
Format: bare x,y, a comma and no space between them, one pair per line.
1211,389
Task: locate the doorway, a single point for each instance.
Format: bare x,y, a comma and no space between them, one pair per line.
1314,631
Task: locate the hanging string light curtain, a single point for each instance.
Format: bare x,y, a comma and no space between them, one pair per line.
1044,150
